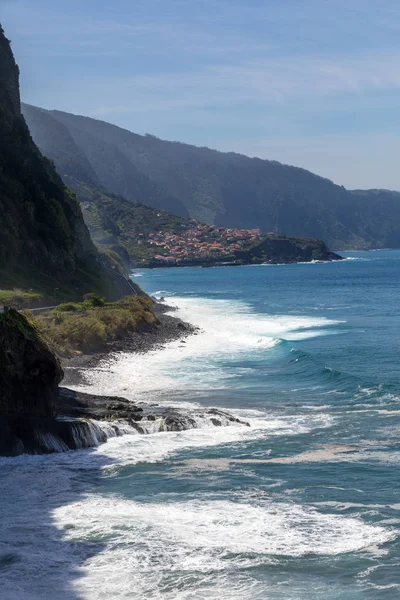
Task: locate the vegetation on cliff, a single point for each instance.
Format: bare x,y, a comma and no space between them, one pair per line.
89,326
115,224
224,189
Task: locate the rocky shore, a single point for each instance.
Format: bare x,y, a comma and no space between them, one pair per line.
143,417
168,329
39,417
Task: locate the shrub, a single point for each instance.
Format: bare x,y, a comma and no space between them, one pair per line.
87,328
93,300
68,307
18,297
84,333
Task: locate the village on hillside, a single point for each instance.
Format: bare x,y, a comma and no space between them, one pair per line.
196,242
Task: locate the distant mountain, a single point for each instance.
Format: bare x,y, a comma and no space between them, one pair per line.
44,243
225,189
81,156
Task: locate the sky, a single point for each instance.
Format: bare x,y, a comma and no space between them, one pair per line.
312,83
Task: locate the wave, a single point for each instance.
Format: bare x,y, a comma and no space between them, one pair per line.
205,543
65,434
229,331
154,448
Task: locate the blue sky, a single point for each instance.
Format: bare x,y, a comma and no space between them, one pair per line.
314,83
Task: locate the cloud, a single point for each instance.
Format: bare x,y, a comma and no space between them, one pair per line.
225,73
264,83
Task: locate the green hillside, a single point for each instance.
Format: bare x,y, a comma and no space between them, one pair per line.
121,226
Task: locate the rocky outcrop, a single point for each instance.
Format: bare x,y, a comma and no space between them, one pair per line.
87,420
38,417
29,371
29,378
145,418
276,249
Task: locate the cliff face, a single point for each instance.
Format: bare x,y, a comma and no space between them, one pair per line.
41,224
29,371
29,378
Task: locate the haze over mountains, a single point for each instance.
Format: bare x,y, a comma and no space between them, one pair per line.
225,189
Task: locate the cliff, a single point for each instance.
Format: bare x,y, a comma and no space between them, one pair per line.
29,371
123,224
44,242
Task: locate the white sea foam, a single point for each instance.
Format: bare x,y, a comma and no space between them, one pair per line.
148,545
229,330
134,554
156,447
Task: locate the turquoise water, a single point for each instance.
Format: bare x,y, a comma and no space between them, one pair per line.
303,504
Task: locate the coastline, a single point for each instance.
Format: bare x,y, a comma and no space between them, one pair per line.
168,329
88,420
85,420
158,264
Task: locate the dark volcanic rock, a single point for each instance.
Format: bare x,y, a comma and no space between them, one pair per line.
276,249
29,378
114,408
224,416
145,418
29,371
101,408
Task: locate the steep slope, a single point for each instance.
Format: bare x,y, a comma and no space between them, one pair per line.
116,224
110,218
79,156
228,189
44,242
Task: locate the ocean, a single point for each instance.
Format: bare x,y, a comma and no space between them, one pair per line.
303,504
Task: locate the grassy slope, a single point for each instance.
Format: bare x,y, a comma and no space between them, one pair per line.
85,327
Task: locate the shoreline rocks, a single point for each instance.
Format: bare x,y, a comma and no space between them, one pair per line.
29,371
168,329
87,420
115,409
38,417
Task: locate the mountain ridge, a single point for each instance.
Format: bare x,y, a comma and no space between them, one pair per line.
230,189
